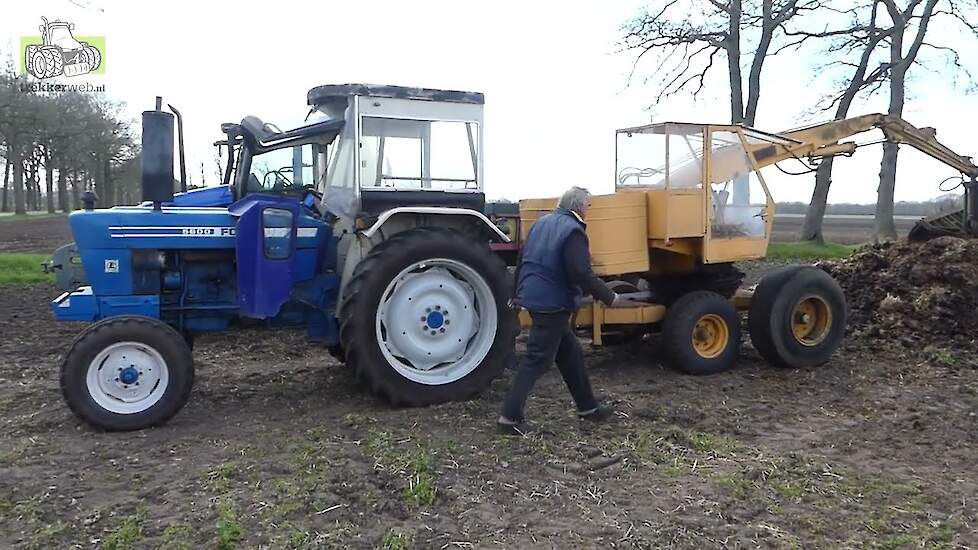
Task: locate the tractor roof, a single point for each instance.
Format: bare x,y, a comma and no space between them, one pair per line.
330,92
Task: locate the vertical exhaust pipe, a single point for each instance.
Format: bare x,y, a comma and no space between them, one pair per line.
157,159
183,162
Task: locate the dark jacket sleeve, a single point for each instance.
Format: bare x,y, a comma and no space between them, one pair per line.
577,264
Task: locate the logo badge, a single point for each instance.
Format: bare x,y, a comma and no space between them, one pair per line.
58,52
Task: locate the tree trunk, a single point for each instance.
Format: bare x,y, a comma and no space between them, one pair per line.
884,229
109,198
732,48
62,191
4,203
74,190
49,184
19,206
812,230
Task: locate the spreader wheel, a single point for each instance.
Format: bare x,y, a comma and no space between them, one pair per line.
701,333
797,317
127,373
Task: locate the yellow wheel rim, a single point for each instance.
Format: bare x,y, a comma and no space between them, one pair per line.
710,336
811,321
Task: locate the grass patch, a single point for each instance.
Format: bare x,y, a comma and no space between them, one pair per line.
808,250
395,540
128,533
413,463
178,536
229,531
22,268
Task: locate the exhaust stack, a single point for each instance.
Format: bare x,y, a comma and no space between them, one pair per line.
157,160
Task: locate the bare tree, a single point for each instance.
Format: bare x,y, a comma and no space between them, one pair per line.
857,38
888,39
685,37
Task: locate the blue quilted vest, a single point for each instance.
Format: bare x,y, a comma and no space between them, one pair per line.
543,285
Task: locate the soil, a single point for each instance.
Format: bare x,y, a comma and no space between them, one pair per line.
42,233
279,447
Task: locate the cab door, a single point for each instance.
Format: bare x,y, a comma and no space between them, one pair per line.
265,237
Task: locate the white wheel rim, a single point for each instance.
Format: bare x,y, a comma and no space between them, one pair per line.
127,378
436,321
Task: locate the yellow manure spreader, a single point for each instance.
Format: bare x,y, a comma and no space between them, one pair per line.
689,202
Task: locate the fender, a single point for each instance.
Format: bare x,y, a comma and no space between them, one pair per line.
361,242
495,233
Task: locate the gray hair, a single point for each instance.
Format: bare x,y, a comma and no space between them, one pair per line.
575,199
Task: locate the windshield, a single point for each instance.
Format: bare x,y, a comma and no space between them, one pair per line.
282,170
642,158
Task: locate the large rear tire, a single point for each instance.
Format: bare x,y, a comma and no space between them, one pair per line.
425,318
797,317
127,373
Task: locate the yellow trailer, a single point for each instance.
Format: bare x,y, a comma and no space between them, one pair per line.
689,202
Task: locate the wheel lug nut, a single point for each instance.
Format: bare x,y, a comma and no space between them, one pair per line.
433,333
441,330
424,318
437,307
447,322
427,310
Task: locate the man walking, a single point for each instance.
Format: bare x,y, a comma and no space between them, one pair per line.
553,273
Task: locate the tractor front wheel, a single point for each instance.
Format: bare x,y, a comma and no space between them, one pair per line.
425,319
127,373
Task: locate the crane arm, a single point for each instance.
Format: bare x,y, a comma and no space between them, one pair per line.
824,140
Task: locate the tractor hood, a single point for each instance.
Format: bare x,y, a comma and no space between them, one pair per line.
205,196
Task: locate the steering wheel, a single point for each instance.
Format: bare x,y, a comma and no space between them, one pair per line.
281,182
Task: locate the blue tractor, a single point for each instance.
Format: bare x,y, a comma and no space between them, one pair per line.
365,226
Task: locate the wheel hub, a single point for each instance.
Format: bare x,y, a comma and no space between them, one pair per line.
127,377
710,336
811,321
436,321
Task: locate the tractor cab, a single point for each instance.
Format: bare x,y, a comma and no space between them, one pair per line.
399,147
372,148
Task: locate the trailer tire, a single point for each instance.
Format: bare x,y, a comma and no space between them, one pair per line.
153,397
701,333
453,279
797,317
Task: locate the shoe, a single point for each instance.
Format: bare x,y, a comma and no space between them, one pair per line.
597,414
505,426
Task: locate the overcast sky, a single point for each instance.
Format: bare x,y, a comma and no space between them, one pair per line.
555,86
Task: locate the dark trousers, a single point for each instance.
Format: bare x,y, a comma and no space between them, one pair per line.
551,339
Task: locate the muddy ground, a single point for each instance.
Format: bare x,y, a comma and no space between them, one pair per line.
35,233
279,448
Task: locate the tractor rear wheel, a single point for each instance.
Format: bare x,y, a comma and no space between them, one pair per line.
425,319
127,373
701,333
797,317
